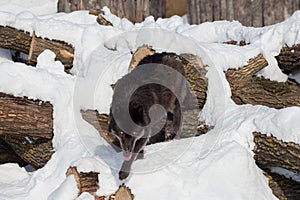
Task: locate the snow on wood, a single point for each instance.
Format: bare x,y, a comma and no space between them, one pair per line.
20,41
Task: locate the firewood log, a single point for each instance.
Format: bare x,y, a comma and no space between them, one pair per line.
7,154
269,151
282,187
86,181
248,89
27,127
20,41
123,193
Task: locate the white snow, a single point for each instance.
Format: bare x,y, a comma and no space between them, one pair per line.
217,165
36,7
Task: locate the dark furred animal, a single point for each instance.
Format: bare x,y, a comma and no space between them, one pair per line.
133,141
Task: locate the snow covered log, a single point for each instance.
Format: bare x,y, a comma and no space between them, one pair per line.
86,181
248,89
27,127
269,151
21,41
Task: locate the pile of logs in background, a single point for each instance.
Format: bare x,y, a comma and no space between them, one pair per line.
26,126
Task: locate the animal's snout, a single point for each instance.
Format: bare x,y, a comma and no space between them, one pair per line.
127,155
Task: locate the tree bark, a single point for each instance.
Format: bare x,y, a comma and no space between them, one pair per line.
25,117
20,41
269,151
7,154
248,89
27,127
34,151
283,188
289,58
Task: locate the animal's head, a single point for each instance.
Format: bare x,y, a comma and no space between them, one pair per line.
132,141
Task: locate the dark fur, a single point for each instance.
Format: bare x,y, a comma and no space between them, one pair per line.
140,102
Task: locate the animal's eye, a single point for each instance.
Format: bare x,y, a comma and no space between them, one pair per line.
121,133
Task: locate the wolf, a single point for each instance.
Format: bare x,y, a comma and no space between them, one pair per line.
133,140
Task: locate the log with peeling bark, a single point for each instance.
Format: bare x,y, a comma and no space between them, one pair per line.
86,181
27,127
24,42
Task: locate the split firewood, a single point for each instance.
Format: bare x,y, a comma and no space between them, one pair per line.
123,193
100,122
86,181
139,54
20,41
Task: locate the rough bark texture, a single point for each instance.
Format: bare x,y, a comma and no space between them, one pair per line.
195,74
289,58
283,188
27,127
25,117
247,89
34,151
7,154
269,151
20,41
86,181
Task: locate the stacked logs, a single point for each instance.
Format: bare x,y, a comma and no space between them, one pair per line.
24,42
26,125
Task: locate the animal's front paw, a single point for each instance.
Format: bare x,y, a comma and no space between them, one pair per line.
123,175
